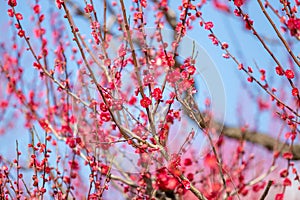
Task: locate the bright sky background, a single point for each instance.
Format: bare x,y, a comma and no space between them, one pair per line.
229,29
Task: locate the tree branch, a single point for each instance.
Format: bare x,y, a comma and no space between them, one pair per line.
261,139
258,138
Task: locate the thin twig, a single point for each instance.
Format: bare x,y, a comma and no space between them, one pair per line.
278,33
266,191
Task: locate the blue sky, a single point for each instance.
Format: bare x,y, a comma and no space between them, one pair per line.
229,29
